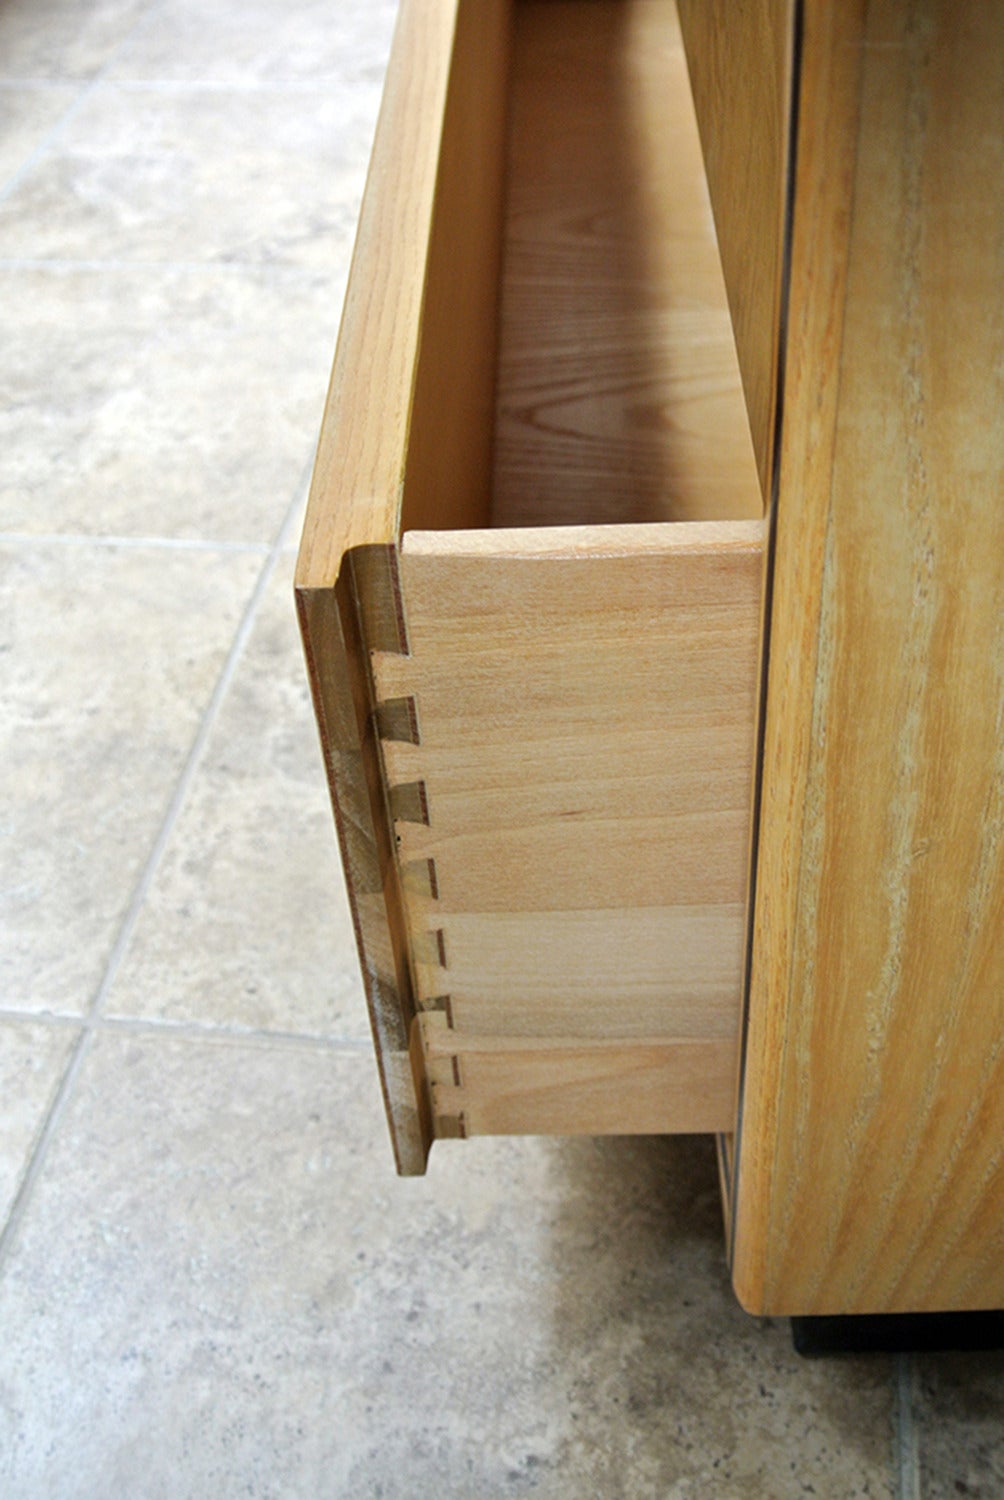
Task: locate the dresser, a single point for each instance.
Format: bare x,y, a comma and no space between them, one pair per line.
652,594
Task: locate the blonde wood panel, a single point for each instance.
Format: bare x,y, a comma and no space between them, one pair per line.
448,473
409,414
653,972
571,1089
740,61
708,774
339,682
618,392
408,417
871,1159
604,905
823,194
601,858
355,490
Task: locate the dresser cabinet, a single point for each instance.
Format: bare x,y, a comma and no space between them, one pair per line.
652,591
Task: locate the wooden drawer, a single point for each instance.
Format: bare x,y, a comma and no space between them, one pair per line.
529,584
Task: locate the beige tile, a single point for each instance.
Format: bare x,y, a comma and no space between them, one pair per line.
179,404
27,115
108,658
220,1287
63,38
960,1425
32,1060
182,175
247,922
258,41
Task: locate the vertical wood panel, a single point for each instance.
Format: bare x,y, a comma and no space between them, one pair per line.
407,423
740,61
871,1158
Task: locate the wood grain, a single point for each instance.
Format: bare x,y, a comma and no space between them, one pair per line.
568,1088
407,424
648,971
339,680
539,740
572,900
871,1156
740,61
448,471
619,396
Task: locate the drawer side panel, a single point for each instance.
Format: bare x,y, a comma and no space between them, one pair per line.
568,903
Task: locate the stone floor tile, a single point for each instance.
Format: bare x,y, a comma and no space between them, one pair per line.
108,658
220,1287
247,922
257,41
960,1425
173,404
180,175
28,112
32,1059
63,38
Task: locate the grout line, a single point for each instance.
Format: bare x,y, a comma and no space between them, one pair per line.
907,1452
12,183
87,88
41,1017
49,1126
192,763
41,84
80,1049
212,1031
161,543
208,1031
292,515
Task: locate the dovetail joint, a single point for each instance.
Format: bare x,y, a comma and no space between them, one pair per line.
409,802
442,1005
397,721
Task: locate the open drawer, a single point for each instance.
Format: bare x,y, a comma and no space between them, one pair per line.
529,584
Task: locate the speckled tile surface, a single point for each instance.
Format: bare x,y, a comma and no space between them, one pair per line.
28,113
71,39
108,657
960,1421
32,1060
247,923
219,1255
201,174
178,404
211,1282
260,42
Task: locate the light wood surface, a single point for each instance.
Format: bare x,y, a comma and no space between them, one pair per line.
871,1155
568,1088
619,396
448,472
355,494
740,62
407,423
567,898
539,739
620,973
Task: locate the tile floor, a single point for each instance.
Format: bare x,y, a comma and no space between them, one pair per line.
211,1283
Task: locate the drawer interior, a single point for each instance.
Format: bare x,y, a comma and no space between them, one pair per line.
611,392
